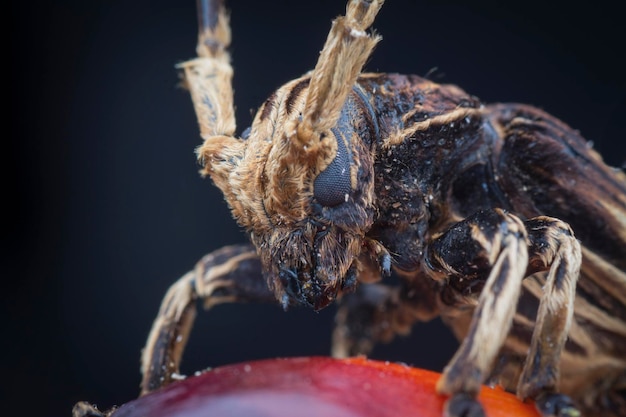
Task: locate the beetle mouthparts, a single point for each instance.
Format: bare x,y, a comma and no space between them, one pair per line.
321,297
310,292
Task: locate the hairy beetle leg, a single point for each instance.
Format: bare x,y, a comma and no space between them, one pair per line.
496,245
359,319
491,244
230,274
553,248
376,313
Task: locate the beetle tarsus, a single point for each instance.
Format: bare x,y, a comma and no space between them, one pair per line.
84,409
463,405
556,405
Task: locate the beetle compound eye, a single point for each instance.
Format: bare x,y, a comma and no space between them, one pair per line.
332,186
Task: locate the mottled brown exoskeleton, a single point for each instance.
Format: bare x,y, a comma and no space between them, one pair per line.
499,218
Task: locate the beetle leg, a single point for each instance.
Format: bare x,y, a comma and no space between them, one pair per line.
375,313
496,245
230,274
359,319
554,248
84,409
491,244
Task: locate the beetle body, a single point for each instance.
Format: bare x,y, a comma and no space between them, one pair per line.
436,155
500,218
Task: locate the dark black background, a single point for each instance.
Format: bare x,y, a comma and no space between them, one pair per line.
106,209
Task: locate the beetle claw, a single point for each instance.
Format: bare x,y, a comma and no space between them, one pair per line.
463,405
556,405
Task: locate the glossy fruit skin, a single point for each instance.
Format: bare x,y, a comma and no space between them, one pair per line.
312,386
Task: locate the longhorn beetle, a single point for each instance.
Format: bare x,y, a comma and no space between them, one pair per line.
497,217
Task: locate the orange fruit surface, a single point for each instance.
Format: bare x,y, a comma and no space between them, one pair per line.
312,387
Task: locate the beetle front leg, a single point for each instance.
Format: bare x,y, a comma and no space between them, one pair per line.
230,274
495,245
491,244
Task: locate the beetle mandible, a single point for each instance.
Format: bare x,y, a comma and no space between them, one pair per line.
345,177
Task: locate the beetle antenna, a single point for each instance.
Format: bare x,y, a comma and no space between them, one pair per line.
347,47
209,81
209,77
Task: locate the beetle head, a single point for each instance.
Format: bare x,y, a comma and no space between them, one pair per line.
306,198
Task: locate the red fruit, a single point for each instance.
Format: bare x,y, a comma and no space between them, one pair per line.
312,387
